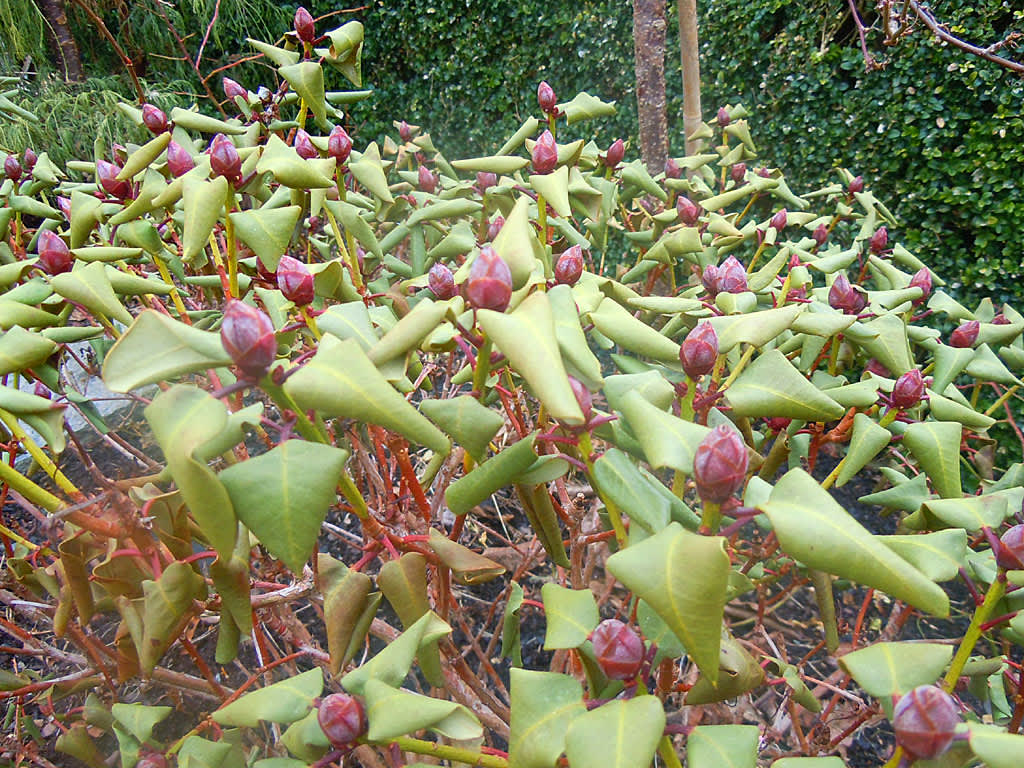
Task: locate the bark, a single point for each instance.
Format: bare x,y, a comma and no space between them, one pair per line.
649,64
66,54
689,51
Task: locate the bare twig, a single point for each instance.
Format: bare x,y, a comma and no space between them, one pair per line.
941,32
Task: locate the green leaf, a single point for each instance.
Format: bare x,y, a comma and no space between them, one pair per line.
554,188
499,164
203,204
584,107
43,415
517,243
757,328
738,673
527,338
814,529
404,584
14,313
972,513
139,720
651,385
368,171
340,381
267,231
889,343
144,156
985,366
288,167
683,577
346,595
307,79
722,746
90,287
571,615
866,441
21,349
493,474
167,604
537,506
199,123
772,387
667,440
410,331
468,567
392,664
994,746
620,326
468,422
938,555
544,705
77,742
282,702
892,669
572,342
619,734
936,446
907,495
283,496
619,481
511,648
346,51
392,712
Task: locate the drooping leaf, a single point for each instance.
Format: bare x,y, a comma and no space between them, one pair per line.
40,413
392,712
544,705
346,596
615,322
892,669
346,51
619,734
938,555
996,747
289,168
722,746
139,719
167,602
936,446
584,106
307,79
392,664
539,510
497,472
667,440
757,328
367,171
511,647
579,360
267,231
621,482
866,441
772,387
468,567
21,349
468,422
404,584
738,673
285,701
971,513
571,615
203,203
90,287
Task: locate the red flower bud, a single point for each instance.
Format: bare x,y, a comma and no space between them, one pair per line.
546,98
908,390
304,146
720,464
876,368
54,255
179,161
64,206
152,760
339,145
965,335
233,89
615,153
583,398
844,297
427,180
999,319
28,159
495,227
922,279
569,266
699,350
618,648
689,211
820,235
779,220
856,185
545,153
732,277
304,26
778,423
709,279
441,281
738,172
763,172
12,168
106,175
248,336
485,180
925,721
154,119
342,719
295,281
404,131
879,240
489,285
1010,555
224,159
672,169
723,117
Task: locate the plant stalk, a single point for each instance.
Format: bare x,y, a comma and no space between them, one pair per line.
981,614
448,752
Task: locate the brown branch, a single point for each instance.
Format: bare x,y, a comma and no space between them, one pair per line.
940,31
869,61
125,58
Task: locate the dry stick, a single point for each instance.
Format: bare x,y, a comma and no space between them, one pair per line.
158,6
940,32
125,58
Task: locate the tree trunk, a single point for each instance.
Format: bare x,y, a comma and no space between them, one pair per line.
689,51
649,58
66,55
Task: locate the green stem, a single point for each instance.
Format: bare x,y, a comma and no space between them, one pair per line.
448,752
37,453
981,614
896,759
1002,399
21,484
483,368
747,354
778,454
711,517
888,417
826,607
614,515
668,752
229,238
314,432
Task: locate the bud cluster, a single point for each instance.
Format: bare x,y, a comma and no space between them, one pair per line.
729,277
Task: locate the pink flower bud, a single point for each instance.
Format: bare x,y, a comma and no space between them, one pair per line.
64,206
999,319
427,180
341,718
925,721
618,648
441,281
856,185
709,279
672,169
304,26
179,161
151,760
28,159
689,211
12,168
154,119
54,255
732,277
908,390
879,240
339,145
404,131
875,367
545,154
489,285
763,172
106,175
304,146
699,350
295,281
720,464
965,335
224,159
820,235
779,220
738,172
569,266
615,153
844,297
1010,554
583,397
922,279
495,227
248,336
233,89
546,98
485,180
723,117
